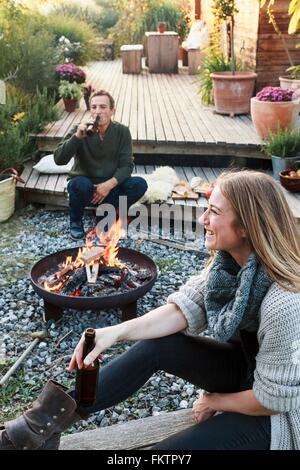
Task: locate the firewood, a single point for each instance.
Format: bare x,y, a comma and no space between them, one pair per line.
92,254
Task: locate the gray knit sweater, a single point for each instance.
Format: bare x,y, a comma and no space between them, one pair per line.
277,374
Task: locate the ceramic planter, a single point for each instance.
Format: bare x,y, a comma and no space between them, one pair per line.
269,115
232,92
291,83
161,26
70,105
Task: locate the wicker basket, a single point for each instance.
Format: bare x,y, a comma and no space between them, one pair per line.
291,184
8,179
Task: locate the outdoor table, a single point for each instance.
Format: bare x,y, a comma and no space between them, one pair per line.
162,51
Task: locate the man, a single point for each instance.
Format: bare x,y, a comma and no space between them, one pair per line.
103,163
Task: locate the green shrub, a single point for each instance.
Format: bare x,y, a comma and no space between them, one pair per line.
161,11
27,51
76,31
138,16
100,18
19,117
283,143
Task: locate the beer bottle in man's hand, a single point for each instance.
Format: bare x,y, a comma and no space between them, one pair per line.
93,127
87,377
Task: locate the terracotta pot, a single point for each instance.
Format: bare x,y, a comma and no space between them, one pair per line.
291,83
232,92
161,26
269,115
70,105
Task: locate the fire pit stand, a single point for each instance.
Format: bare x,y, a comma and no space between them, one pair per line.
54,312
55,303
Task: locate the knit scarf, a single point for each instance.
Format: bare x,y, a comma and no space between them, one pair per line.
233,295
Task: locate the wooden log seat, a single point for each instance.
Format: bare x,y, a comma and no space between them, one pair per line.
131,58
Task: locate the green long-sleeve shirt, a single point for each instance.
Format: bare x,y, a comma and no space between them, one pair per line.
96,158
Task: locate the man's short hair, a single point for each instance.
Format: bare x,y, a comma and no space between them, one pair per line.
104,93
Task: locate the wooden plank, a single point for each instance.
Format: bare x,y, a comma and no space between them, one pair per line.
135,434
186,118
141,124
41,182
158,125
25,175
149,113
60,186
197,119
161,104
134,109
31,182
172,109
51,183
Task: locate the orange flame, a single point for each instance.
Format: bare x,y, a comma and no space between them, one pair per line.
108,240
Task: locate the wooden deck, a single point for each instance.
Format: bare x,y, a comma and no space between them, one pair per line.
164,114
51,189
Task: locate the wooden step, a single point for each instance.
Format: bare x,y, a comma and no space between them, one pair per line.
136,434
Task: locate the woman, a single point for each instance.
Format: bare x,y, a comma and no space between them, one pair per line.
248,302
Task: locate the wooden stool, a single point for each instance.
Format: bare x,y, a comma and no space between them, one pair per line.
132,58
194,60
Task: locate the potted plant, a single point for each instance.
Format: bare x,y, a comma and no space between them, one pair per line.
283,146
212,62
292,81
232,89
70,93
273,108
70,73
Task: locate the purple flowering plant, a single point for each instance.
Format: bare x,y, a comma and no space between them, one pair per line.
275,93
70,72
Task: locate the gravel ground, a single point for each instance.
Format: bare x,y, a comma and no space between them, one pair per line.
34,233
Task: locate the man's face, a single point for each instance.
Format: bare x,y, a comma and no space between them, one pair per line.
100,106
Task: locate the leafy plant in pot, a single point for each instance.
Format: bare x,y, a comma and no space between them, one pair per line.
232,89
273,108
283,146
70,93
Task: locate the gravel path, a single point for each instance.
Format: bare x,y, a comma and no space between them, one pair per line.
35,233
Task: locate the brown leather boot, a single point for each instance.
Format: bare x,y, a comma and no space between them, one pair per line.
40,427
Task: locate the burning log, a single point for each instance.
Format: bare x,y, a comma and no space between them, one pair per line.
75,282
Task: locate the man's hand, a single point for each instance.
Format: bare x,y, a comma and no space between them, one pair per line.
201,409
101,191
81,131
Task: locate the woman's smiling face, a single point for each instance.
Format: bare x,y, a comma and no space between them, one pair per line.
222,229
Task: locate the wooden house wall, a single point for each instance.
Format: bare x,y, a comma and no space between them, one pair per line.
271,59
256,42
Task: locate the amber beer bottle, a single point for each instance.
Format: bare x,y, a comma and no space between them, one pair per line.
87,377
92,128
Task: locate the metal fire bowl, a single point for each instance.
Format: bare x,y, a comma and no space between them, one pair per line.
92,303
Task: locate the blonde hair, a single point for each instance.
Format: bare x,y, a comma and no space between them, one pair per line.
262,211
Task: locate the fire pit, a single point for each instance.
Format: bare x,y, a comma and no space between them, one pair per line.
93,278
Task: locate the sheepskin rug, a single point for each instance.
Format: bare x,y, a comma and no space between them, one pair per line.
160,185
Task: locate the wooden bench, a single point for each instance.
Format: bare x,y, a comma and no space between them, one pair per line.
139,434
131,58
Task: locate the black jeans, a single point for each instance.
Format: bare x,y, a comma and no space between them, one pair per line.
206,363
